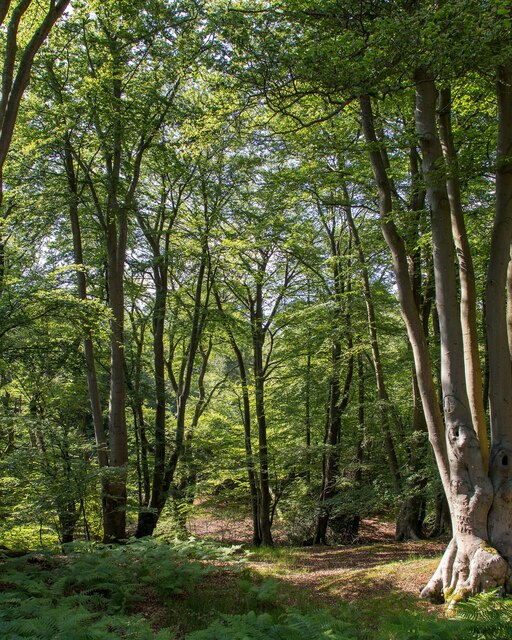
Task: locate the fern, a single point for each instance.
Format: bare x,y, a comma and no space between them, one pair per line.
489,615
88,595
292,626
266,592
484,617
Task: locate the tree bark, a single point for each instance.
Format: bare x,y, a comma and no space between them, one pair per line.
468,304
114,523
258,340
500,378
469,561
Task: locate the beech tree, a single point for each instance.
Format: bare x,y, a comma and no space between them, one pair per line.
258,277
119,86
349,53
479,554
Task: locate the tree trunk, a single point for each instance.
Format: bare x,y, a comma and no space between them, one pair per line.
338,397
307,418
78,255
246,418
114,521
409,525
338,401
468,303
141,442
500,372
470,563
351,522
183,493
163,473
442,522
384,403
112,488
258,339
148,517
406,296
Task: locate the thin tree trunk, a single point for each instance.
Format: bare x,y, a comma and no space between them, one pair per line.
92,381
384,402
500,380
184,494
338,402
115,503
307,418
258,339
148,517
141,442
116,232
409,525
163,473
338,397
246,418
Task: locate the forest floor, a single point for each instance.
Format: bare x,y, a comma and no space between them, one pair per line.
378,576
377,566
197,590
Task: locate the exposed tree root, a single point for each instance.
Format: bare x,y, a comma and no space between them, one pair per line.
468,566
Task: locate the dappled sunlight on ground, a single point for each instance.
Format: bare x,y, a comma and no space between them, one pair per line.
375,567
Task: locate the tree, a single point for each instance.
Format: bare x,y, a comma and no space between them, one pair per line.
20,35
258,274
103,165
186,203
478,556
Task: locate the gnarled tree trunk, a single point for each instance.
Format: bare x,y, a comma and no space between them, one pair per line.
478,556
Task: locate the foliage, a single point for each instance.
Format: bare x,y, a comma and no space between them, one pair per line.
291,626
92,591
96,592
486,616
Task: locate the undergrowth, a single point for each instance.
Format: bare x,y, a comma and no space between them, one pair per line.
92,592
151,590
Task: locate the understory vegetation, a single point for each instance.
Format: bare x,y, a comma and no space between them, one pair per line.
154,590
